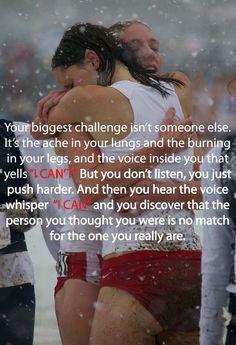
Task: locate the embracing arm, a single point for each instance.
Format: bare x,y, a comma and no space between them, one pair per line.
75,106
87,104
43,108
66,107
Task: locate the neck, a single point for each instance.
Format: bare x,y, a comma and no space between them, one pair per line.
121,73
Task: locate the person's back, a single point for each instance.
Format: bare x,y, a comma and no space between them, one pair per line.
148,107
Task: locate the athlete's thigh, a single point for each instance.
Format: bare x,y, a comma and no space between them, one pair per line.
120,319
74,304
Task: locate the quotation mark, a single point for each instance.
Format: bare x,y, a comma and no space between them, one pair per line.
57,202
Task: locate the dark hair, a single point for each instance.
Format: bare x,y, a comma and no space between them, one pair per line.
109,48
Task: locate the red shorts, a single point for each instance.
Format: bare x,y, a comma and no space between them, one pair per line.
83,266
168,284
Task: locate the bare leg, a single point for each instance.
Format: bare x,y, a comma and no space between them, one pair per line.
74,305
121,320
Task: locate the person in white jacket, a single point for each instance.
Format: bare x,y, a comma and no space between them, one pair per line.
218,256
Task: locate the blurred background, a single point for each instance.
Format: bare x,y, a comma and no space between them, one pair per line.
197,37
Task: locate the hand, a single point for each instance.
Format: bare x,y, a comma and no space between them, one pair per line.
178,136
47,103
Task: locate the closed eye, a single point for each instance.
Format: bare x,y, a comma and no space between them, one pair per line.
154,45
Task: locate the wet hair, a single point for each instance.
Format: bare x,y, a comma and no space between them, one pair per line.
109,48
119,27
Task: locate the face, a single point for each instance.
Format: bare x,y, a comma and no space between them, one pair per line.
76,76
142,40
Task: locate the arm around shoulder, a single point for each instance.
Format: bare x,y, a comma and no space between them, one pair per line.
184,93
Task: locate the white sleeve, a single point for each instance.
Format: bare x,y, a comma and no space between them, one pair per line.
217,258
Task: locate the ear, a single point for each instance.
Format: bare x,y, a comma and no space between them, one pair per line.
93,58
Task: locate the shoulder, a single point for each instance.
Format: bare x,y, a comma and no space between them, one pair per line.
90,92
97,101
184,93
90,96
182,77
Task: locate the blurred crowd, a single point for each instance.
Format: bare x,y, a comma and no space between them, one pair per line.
24,78
215,100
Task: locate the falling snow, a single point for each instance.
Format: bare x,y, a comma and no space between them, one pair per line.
197,37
